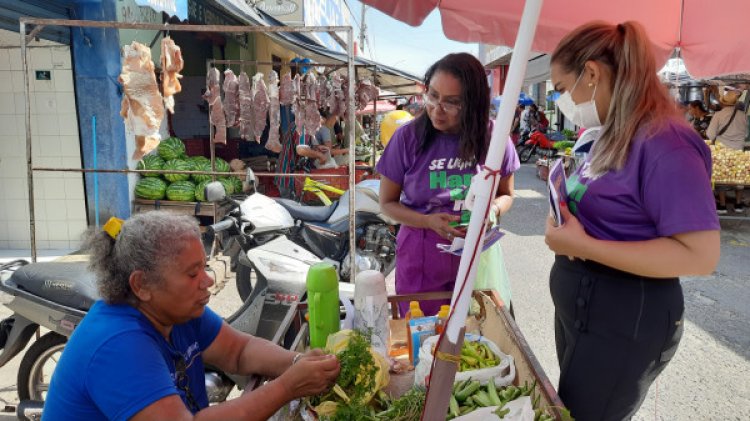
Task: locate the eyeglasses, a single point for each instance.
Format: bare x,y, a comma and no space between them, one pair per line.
182,381
448,107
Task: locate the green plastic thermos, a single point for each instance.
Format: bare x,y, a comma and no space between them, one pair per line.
322,302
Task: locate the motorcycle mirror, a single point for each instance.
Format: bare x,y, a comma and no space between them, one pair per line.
251,180
215,192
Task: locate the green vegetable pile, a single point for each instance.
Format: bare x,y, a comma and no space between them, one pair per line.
363,373
470,394
569,134
563,145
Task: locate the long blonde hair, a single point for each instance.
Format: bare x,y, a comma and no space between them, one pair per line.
639,100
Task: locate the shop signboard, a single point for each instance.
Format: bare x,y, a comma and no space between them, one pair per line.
204,14
177,8
289,12
131,11
327,13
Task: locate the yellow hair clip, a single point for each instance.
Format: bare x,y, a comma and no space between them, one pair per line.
113,227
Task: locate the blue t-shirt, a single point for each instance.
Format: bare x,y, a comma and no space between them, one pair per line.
116,364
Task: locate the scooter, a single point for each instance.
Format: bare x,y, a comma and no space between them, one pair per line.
281,238
324,230
57,295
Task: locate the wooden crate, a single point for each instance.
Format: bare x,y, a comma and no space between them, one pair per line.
494,322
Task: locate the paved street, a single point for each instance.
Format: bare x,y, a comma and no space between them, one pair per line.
709,379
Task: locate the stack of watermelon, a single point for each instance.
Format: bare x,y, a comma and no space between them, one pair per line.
170,155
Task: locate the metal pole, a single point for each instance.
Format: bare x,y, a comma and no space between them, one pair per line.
362,30
374,113
180,28
27,115
220,174
352,169
211,134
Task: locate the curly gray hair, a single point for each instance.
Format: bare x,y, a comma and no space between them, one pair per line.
148,241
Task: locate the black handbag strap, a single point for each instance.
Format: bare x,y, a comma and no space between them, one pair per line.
723,129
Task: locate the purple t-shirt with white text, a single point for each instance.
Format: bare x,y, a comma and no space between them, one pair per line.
663,189
434,180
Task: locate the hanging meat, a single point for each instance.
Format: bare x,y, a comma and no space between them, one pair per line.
337,96
260,105
142,106
323,89
216,109
297,86
344,97
298,106
274,113
286,92
171,66
231,98
366,93
246,107
311,120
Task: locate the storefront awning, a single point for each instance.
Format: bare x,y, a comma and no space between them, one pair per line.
537,69
386,78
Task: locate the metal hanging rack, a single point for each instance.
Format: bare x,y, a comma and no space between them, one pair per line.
36,25
335,66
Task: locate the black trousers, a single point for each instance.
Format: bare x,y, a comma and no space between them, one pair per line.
615,332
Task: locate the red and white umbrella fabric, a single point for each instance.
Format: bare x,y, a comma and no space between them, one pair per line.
708,34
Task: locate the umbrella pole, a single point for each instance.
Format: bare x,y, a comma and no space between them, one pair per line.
483,187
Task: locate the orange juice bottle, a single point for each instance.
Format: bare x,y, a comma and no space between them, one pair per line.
442,318
414,312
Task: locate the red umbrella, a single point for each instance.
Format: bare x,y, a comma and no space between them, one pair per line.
707,34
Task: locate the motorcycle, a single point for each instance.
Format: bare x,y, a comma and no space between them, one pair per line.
536,142
324,230
281,238
57,295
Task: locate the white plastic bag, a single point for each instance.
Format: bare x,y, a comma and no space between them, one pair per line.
520,410
504,373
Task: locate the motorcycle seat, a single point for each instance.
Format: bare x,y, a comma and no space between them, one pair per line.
69,284
307,213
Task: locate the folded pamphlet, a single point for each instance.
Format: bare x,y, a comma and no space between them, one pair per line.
557,191
457,246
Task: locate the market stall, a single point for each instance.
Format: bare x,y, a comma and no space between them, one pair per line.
731,173
143,109
518,377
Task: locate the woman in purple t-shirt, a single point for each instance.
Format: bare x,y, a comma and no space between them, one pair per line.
639,213
427,168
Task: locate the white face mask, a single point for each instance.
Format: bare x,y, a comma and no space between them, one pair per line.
582,115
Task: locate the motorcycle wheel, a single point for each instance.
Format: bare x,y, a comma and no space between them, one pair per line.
37,366
244,285
525,153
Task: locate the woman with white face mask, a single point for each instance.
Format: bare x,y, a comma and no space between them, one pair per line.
640,213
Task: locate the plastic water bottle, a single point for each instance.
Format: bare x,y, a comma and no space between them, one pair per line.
371,308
